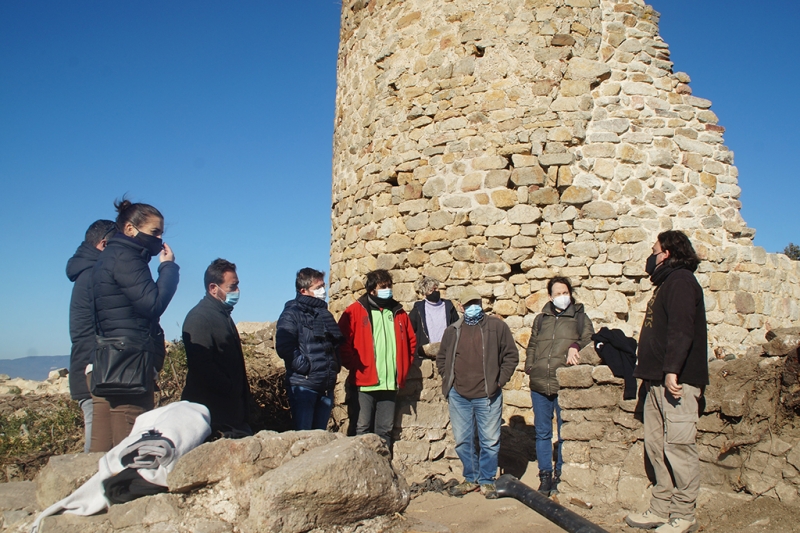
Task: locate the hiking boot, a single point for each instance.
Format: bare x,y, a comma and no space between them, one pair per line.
489,491
464,488
678,525
645,520
545,482
556,481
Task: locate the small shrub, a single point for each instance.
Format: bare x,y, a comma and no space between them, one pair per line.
38,428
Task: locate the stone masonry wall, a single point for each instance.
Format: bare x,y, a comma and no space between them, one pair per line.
498,144
744,444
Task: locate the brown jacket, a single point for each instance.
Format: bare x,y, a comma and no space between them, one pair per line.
548,347
500,354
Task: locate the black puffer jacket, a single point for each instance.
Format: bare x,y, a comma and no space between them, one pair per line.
81,318
127,300
217,377
308,340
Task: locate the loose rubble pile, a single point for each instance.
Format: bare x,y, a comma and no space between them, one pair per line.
56,383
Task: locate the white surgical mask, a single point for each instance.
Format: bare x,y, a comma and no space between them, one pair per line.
319,293
562,302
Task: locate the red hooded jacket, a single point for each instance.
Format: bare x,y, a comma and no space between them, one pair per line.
358,350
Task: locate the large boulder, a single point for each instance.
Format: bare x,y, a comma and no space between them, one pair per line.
244,459
63,474
342,482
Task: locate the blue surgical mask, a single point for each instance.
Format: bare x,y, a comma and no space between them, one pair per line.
472,311
232,298
385,293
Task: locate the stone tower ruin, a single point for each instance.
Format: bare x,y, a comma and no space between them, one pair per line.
498,144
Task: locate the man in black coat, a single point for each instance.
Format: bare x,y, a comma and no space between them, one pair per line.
217,377
81,316
673,366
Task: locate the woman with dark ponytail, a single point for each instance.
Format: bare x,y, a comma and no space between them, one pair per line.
128,305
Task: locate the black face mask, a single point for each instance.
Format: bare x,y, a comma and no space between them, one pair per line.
651,265
152,244
434,297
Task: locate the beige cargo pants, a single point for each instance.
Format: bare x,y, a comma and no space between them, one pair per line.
670,430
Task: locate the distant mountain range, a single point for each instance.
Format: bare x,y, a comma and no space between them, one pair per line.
36,368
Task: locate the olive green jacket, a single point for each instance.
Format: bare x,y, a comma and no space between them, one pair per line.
548,347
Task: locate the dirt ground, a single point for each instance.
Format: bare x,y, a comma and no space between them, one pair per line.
717,513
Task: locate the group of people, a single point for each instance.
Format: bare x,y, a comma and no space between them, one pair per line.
115,296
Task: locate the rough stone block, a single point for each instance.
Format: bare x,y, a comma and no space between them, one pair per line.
579,376
602,375
586,431
504,198
633,492
63,474
489,162
547,160
606,269
576,195
524,214
545,196
604,396
586,69
530,175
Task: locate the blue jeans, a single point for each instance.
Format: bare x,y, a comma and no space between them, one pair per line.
310,409
486,416
543,408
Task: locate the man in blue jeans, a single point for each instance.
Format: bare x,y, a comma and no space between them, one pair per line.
476,359
308,339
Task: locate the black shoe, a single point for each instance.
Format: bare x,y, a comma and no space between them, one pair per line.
556,481
546,482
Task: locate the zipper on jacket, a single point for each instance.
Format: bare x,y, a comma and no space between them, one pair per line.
549,355
483,358
453,361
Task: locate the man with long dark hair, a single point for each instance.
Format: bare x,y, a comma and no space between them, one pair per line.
673,365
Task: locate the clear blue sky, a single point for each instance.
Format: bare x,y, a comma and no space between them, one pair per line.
221,115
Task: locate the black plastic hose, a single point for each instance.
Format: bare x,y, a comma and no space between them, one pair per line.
509,486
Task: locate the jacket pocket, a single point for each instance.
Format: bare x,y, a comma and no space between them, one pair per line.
681,428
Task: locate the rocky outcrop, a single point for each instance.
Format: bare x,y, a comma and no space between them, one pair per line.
288,482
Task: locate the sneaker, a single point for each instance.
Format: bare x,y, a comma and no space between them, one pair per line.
645,520
556,481
489,491
464,488
545,482
678,525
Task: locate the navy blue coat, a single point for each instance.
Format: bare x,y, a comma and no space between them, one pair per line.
127,300
308,339
81,318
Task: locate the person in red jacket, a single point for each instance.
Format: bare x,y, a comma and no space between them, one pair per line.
378,350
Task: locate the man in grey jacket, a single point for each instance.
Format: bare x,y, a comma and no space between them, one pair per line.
477,357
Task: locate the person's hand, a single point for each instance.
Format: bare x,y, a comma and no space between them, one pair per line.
674,388
573,357
166,254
